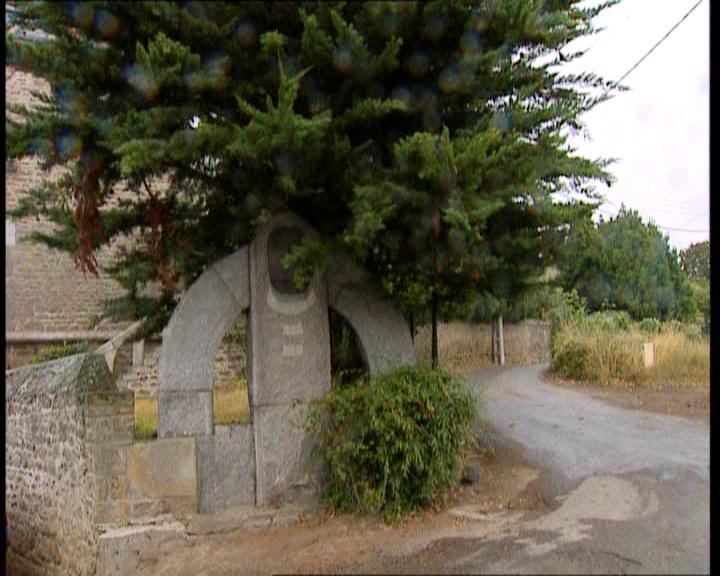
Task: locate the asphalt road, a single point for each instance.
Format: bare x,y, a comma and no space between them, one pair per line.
628,491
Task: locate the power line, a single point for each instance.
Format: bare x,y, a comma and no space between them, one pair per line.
693,219
677,212
671,203
658,42
670,229
670,209
682,230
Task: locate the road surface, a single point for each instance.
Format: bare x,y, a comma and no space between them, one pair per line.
628,491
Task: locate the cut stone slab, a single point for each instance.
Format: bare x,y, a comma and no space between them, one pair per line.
250,517
297,512
119,548
234,270
191,339
383,333
283,450
230,520
290,332
162,468
185,413
226,467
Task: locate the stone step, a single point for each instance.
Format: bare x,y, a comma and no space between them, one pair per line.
119,548
250,517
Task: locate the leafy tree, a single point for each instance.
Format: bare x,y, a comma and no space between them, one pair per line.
423,138
626,264
695,260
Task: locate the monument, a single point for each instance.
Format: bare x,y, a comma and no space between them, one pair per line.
288,348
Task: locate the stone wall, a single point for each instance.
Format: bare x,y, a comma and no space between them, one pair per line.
140,375
139,372
58,416
72,465
463,346
44,293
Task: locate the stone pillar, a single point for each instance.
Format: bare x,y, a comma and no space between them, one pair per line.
290,360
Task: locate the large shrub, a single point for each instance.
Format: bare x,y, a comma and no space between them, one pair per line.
392,442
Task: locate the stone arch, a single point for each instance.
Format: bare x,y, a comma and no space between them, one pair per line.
383,333
288,367
190,343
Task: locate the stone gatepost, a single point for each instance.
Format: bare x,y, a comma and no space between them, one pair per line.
289,360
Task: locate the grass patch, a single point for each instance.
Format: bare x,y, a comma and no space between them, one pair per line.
230,406
597,352
146,417
682,360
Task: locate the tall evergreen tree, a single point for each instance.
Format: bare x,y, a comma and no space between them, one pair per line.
423,138
626,264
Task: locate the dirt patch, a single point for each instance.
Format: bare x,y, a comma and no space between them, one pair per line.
334,544
687,401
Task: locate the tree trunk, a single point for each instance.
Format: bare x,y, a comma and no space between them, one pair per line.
434,352
412,327
501,334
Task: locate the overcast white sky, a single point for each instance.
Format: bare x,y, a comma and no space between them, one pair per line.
659,130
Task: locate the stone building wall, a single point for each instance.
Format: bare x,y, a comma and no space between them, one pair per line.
464,346
45,294
48,301
58,417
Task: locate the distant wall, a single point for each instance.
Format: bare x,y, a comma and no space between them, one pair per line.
45,293
136,365
463,346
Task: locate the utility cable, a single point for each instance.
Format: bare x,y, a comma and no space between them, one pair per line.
658,43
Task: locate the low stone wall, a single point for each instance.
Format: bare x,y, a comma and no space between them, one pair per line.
463,346
72,464
58,415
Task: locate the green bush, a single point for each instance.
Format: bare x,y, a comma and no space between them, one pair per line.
620,320
610,320
55,351
694,331
571,358
564,309
690,329
393,442
650,325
